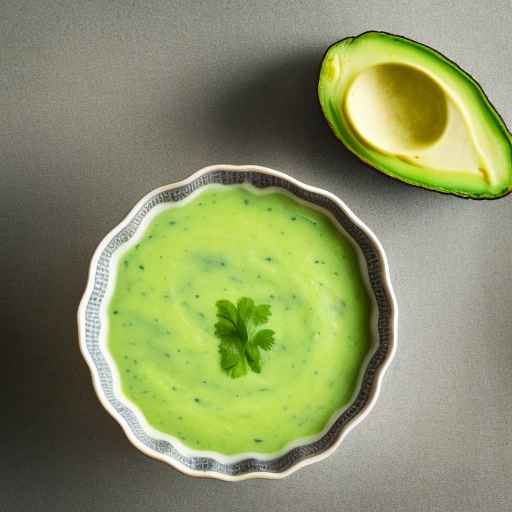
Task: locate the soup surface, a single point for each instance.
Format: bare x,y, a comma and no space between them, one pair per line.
225,243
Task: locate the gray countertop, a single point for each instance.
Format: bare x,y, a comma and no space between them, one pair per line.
101,102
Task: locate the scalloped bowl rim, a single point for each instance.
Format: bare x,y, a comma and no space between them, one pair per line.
380,371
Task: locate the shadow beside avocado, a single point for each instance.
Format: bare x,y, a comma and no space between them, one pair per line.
268,114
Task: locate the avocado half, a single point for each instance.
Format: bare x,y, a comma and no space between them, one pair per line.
413,114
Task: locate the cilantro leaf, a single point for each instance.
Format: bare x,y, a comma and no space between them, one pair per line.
263,339
230,356
227,310
239,340
231,360
245,308
225,328
261,314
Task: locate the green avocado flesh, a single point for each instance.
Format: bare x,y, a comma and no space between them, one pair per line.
225,243
411,113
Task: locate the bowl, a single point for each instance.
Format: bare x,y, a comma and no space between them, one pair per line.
92,326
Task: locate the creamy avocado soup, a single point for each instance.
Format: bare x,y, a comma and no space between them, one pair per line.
227,243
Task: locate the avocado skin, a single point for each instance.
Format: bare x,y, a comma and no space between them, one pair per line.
404,179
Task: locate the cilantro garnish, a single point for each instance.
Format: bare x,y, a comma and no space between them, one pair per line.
240,340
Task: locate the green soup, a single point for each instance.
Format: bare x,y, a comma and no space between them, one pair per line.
226,243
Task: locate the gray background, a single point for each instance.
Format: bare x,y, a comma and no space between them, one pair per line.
102,101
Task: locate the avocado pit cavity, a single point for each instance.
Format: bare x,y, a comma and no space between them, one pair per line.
396,108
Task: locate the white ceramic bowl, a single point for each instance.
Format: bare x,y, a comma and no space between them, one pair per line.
92,320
